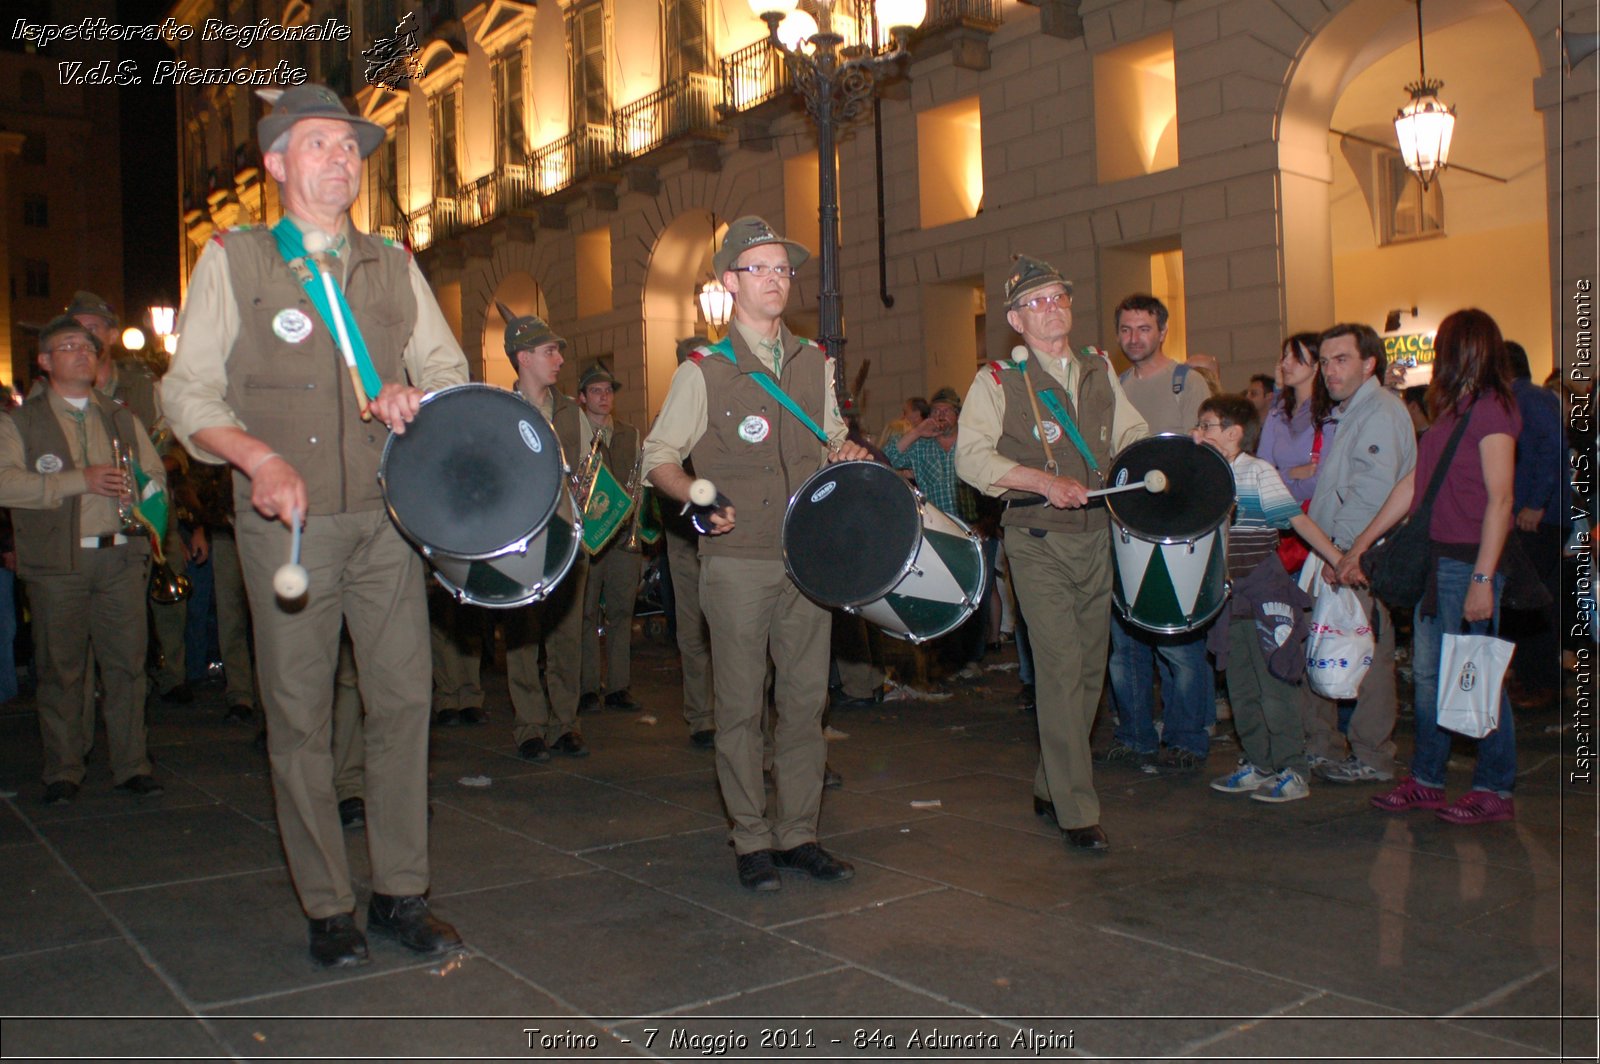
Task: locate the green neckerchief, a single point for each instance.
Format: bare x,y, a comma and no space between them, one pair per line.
1067,424
771,387
292,246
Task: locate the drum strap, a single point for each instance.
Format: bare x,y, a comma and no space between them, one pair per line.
772,388
1068,426
334,311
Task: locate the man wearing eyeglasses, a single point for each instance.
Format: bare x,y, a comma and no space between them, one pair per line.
748,410
86,571
1039,431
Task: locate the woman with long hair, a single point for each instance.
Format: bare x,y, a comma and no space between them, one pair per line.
1299,424
1468,528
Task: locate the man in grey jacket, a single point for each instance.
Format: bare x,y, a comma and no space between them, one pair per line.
1374,447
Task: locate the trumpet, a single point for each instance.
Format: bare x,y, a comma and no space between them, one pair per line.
126,514
634,483
167,588
583,483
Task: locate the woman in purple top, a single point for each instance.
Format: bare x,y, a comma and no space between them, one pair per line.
1302,407
1470,522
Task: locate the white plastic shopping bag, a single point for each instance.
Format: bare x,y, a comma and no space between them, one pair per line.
1471,670
1339,652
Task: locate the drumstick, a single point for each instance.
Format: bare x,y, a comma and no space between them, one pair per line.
704,499
1154,481
291,580
362,399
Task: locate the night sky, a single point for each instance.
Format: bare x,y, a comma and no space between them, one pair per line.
150,234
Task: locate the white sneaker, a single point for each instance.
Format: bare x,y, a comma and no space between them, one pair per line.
1241,780
1286,786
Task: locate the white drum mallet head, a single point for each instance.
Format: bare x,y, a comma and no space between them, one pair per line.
291,580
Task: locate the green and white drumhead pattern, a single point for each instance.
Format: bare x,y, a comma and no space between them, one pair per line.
941,592
1170,587
515,578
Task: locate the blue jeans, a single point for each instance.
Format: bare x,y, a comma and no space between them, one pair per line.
1187,689
1497,752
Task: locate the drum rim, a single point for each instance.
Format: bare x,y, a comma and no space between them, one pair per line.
1193,626
905,565
428,551
1122,526
461,594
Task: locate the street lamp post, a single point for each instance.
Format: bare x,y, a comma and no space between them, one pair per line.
836,84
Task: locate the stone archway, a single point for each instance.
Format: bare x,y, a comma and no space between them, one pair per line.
1333,270
515,274
679,261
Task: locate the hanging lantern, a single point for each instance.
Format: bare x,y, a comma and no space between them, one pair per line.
716,303
1424,125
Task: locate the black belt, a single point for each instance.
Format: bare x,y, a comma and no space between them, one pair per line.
1015,503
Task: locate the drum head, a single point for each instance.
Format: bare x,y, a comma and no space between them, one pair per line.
851,532
1199,489
478,471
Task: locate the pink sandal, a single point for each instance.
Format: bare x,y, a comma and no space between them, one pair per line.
1409,795
1478,807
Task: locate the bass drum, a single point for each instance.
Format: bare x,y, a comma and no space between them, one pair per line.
857,537
1170,548
478,483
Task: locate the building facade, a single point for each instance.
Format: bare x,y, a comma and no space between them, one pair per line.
577,158
60,148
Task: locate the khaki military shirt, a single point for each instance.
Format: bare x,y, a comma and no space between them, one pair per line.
193,391
978,460
30,489
683,417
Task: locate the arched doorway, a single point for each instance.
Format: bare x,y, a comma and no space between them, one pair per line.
1360,240
679,262
522,295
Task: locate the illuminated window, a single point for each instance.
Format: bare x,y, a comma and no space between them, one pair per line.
1136,109
800,192
510,109
594,272
1156,267
586,46
687,38
950,162
445,117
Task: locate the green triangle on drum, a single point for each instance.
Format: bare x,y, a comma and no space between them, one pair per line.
961,560
925,618
1157,602
486,582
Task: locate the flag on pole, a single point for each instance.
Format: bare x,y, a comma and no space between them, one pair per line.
151,509
605,510
650,526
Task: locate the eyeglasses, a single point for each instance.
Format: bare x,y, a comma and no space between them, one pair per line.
1038,303
761,269
70,346
1208,426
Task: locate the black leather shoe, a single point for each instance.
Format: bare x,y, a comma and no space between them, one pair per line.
1087,840
240,713
757,872
61,792
844,701
705,739
1044,808
180,695
473,715
621,700
814,861
336,942
1027,701
534,750
406,919
589,703
447,718
352,812
571,744
831,780
141,786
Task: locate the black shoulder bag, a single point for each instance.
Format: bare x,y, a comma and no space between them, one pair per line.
1396,566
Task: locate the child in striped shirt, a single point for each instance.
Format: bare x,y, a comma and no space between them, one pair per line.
1265,712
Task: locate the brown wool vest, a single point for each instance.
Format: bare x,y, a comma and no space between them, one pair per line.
758,476
297,397
47,540
1019,441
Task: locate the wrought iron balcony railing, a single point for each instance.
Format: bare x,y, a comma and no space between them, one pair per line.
683,106
977,14
753,75
583,153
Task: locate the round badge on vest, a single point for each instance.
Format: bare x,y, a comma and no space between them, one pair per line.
292,325
1052,431
754,429
49,463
